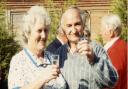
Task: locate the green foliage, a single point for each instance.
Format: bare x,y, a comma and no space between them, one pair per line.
55,13
8,47
120,7
124,34
99,39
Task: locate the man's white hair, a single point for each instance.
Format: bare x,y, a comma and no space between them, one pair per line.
69,8
34,14
112,22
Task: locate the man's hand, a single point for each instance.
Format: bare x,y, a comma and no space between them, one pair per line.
85,48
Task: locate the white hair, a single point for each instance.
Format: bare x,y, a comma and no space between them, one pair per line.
69,8
112,22
34,14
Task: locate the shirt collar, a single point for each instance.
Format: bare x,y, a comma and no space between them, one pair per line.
60,40
110,43
36,61
69,49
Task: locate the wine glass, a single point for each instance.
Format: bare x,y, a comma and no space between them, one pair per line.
82,38
55,59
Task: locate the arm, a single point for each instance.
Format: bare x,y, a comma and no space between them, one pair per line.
34,85
14,77
105,73
60,82
16,80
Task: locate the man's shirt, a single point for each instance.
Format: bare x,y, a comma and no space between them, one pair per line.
80,74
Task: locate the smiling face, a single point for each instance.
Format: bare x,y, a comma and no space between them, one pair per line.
38,36
72,25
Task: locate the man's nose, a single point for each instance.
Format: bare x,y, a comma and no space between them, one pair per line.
74,29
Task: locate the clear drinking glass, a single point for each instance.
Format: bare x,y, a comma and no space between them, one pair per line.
84,37
55,59
80,39
46,56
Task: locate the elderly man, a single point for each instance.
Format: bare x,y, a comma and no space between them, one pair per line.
61,38
84,65
115,47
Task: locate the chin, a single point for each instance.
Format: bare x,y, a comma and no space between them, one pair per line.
41,47
74,41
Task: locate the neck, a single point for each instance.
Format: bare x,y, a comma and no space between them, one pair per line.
38,53
73,47
62,39
113,38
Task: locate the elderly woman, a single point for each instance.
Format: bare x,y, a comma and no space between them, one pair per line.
29,69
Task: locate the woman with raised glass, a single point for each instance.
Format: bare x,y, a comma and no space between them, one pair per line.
30,68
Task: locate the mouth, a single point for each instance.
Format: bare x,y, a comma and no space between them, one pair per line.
75,36
42,41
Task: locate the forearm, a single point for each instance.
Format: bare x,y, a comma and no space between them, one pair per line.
34,85
105,73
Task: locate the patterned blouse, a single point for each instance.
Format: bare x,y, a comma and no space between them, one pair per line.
25,68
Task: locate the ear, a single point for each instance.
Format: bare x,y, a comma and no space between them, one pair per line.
112,33
60,31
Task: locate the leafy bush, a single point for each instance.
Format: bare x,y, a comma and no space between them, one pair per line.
8,47
120,7
99,39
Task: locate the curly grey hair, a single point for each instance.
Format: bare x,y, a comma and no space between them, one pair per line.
34,14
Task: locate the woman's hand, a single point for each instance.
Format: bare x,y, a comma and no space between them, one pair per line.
49,73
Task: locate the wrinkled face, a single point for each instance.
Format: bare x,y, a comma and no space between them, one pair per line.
72,26
38,36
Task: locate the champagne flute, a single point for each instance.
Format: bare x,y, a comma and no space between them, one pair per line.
82,38
55,59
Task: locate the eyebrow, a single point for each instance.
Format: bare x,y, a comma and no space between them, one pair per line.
78,23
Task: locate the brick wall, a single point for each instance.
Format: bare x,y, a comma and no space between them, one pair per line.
96,8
